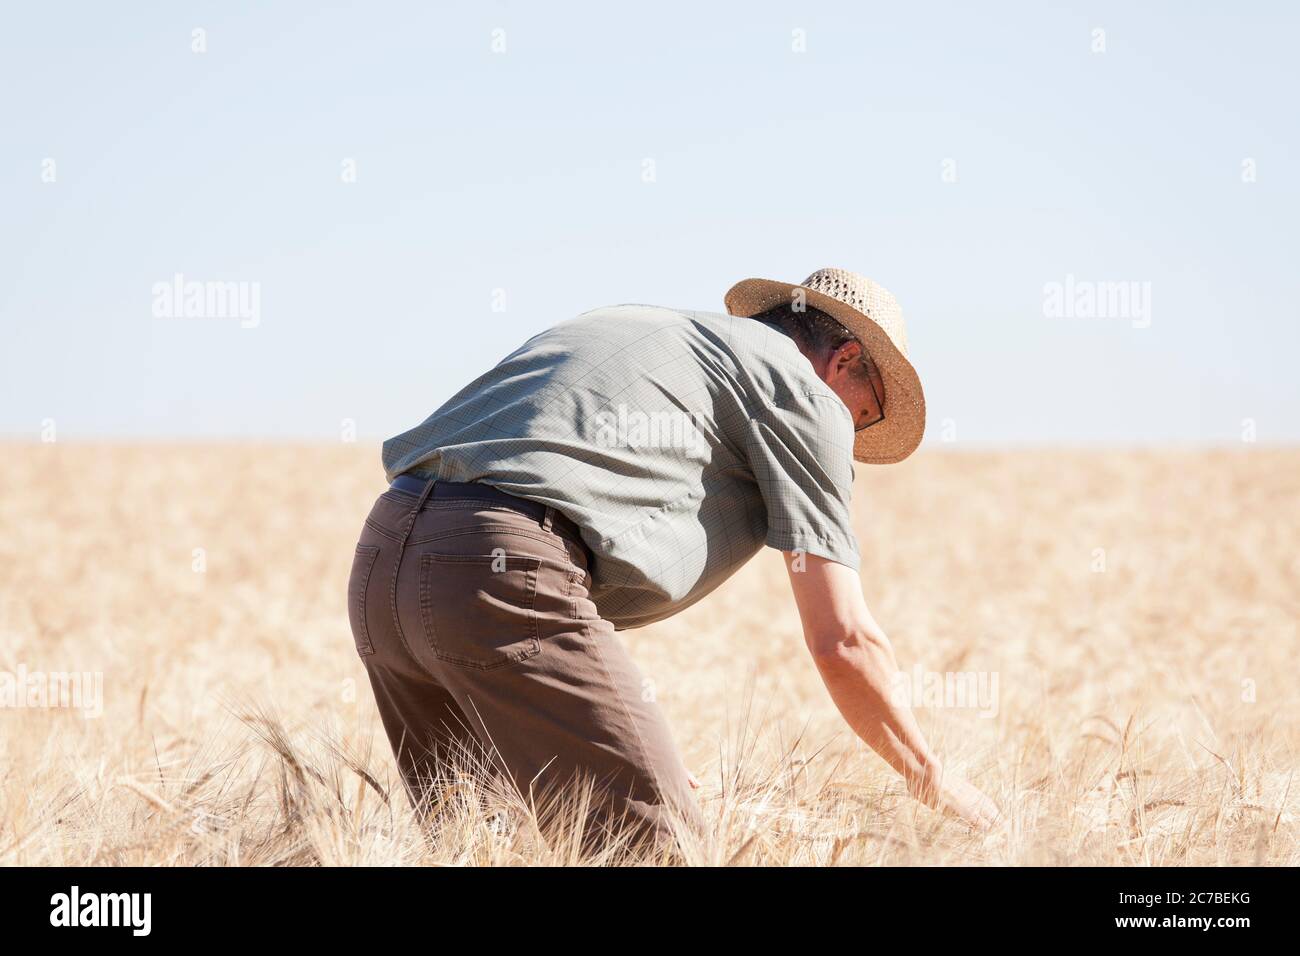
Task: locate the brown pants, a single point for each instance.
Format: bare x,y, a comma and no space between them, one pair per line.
470,610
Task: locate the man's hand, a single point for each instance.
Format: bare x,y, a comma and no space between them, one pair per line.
957,797
857,664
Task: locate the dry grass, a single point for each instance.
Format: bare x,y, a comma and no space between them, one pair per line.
1146,713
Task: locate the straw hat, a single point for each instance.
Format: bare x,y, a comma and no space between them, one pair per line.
872,314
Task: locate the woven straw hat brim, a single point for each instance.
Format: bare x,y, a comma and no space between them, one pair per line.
899,434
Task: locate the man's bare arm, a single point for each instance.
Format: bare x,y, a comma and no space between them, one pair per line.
857,664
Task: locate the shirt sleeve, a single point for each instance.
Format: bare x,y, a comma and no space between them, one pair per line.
802,459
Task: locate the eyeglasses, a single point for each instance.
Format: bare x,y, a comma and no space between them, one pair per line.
880,405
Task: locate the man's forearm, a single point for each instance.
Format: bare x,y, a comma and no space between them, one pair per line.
857,663
860,673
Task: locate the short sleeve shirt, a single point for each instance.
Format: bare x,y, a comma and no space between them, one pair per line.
680,442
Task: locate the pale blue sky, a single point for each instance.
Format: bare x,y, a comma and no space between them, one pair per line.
523,171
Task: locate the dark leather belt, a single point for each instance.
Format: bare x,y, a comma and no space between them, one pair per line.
409,484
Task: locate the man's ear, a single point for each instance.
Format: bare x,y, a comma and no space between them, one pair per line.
846,355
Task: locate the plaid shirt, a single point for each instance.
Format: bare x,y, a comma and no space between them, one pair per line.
679,442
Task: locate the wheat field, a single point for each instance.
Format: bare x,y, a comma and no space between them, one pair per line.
1135,611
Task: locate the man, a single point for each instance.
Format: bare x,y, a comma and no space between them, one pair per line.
608,473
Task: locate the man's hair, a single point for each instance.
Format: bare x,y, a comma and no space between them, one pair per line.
815,332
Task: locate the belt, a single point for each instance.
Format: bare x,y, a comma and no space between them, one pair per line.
409,484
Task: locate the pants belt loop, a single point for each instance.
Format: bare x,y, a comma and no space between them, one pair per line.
549,519
410,521
406,533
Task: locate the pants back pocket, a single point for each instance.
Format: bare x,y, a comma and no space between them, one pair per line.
358,584
480,610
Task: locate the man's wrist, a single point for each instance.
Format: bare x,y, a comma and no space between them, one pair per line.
926,782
